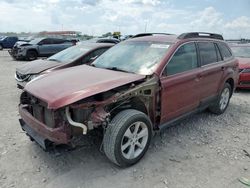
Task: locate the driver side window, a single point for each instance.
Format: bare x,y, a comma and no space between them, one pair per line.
184,59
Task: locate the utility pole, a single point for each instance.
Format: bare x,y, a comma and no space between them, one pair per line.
146,25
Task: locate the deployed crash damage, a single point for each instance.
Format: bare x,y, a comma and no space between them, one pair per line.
69,116
134,88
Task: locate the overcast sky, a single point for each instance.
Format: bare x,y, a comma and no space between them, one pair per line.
228,17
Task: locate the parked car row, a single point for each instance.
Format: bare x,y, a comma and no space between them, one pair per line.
135,88
39,47
45,46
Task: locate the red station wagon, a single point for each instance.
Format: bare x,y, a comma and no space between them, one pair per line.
135,88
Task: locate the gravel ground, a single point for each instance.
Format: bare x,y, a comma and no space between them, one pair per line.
203,151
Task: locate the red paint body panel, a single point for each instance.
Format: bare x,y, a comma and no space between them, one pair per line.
244,63
75,86
176,98
244,78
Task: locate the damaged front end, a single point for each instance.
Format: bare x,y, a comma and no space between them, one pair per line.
61,126
98,110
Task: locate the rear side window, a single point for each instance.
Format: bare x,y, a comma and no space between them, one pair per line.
225,52
184,59
58,41
45,41
94,55
207,53
218,53
99,52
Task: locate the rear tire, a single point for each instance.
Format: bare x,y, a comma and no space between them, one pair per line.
31,55
221,104
127,137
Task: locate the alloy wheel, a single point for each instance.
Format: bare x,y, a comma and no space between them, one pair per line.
134,140
225,95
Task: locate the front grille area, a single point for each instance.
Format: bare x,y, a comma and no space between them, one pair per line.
39,110
44,115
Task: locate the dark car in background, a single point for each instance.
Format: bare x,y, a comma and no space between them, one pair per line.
103,40
242,52
7,42
22,40
137,87
40,47
72,56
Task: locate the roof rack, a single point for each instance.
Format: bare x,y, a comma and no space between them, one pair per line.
200,35
149,34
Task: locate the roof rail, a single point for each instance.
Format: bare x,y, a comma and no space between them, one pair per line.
200,35
149,34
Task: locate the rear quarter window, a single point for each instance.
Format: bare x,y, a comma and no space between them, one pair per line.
225,52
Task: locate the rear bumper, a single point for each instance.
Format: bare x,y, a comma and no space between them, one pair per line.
244,81
40,132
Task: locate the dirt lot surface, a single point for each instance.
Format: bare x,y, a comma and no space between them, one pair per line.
203,151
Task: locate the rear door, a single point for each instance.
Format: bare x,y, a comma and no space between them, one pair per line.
212,70
59,45
45,47
180,83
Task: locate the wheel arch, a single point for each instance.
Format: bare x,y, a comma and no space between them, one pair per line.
133,103
32,49
230,81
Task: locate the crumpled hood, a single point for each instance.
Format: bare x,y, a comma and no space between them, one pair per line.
20,43
67,86
25,44
37,66
244,63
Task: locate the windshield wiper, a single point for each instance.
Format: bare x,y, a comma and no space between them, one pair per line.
242,56
54,60
116,69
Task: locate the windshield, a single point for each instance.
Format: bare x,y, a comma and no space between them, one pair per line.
35,41
136,57
241,51
70,54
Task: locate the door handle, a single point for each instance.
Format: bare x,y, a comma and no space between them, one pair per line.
223,68
198,77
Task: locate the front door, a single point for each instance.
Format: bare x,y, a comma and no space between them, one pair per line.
180,83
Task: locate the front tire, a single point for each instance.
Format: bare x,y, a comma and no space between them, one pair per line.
223,100
31,55
127,137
